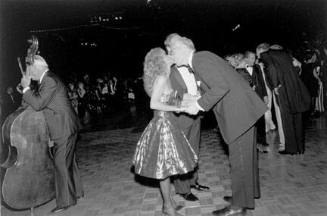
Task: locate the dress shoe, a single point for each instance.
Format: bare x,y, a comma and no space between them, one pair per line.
285,152
80,197
169,211
189,197
176,206
263,147
227,198
228,211
199,187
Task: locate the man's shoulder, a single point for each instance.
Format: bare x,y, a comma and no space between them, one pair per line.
204,53
52,78
207,55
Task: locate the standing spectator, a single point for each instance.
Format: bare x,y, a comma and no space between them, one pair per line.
73,96
131,98
140,97
324,73
310,78
254,76
83,102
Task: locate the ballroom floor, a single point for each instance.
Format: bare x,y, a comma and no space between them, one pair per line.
290,185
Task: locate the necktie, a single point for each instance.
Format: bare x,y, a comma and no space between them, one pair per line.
189,69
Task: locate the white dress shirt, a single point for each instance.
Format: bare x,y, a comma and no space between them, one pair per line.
189,80
249,69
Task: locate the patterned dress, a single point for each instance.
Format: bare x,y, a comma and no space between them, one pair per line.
163,149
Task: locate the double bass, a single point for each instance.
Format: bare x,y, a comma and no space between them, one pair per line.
27,170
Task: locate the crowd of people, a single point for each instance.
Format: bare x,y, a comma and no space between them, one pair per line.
91,96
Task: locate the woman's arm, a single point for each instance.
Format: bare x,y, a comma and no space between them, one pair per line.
160,84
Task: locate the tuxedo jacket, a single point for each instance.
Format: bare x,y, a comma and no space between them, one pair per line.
178,85
236,106
53,101
255,80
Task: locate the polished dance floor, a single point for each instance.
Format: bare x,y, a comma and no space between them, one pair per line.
290,185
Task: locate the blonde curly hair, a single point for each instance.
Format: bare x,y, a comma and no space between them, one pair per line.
153,66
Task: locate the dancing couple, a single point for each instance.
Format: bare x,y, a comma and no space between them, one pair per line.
169,145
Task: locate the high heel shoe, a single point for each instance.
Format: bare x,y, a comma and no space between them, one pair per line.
169,211
175,205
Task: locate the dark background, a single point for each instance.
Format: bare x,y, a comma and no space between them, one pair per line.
62,26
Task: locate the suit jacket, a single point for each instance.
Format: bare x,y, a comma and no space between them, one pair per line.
236,106
178,84
52,99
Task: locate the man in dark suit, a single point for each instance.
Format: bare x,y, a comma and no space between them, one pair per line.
63,125
236,107
183,82
292,96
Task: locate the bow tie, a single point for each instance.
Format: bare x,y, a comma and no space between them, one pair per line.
188,68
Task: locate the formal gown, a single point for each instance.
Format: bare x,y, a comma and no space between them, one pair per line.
163,149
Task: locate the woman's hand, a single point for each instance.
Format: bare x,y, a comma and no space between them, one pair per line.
188,99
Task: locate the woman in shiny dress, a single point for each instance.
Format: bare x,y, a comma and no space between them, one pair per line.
162,150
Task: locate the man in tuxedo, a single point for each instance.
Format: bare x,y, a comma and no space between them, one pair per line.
254,70
183,81
236,107
63,125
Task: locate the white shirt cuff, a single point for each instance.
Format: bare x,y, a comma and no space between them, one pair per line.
26,89
199,107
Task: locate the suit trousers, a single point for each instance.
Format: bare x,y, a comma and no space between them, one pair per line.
279,122
261,131
184,182
68,182
293,129
244,170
